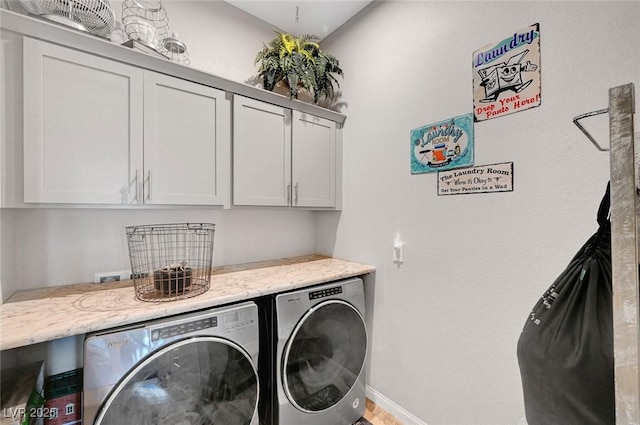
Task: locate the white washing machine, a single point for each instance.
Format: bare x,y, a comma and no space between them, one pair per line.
195,368
320,354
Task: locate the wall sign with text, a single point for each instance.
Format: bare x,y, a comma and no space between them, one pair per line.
506,75
442,145
480,179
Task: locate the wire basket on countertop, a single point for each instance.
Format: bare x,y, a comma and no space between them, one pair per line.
170,261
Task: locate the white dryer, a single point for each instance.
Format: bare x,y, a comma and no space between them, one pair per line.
195,368
320,354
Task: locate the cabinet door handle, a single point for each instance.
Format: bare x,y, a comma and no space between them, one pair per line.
137,184
296,190
149,185
288,193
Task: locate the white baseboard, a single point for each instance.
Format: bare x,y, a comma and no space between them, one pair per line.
398,412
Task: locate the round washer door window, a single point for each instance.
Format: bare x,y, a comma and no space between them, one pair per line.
324,356
202,380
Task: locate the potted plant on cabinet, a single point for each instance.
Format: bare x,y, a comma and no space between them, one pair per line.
298,63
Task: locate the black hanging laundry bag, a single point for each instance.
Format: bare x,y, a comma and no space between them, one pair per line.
565,351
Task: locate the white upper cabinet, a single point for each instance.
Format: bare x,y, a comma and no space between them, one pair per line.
261,153
313,161
82,126
100,132
283,157
92,123
186,142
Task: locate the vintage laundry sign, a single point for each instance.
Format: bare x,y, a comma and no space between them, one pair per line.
442,145
506,75
480,179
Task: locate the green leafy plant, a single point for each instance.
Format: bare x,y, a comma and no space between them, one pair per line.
298,62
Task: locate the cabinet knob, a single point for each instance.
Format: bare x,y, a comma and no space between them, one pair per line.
296,190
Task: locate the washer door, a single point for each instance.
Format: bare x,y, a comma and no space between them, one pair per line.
200,380
324,356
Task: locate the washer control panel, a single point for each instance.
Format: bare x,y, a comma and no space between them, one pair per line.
183,328
326,292
237,320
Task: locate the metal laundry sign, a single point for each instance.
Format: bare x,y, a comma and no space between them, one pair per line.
481,179
506,75
442,145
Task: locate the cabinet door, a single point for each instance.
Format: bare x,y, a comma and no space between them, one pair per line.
261,153
187,142
82,126
313,161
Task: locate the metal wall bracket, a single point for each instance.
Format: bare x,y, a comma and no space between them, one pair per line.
577,119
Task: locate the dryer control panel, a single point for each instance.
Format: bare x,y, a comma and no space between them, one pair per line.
326,292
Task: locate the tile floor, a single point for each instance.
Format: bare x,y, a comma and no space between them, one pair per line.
375,415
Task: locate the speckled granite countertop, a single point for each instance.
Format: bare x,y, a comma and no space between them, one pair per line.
29,317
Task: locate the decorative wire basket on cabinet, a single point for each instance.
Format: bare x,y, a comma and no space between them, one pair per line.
175,49
145,21
170,261
93,16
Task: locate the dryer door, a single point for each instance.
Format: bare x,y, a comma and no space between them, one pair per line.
324,356
201,380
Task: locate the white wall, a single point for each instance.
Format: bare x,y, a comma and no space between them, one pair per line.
62,246
7,254
221,39
444,325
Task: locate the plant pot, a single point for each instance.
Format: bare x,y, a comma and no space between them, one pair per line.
304,95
